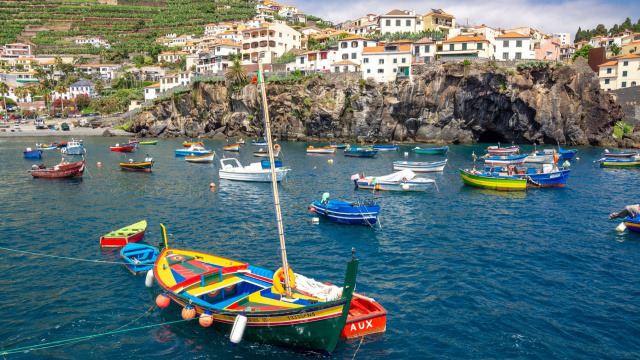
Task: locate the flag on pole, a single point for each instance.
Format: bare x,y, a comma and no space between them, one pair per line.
256,78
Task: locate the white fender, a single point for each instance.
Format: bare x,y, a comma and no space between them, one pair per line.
149,280
238,329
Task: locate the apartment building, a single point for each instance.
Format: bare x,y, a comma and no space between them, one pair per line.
514,46
400,21
268,42
621,73
385,63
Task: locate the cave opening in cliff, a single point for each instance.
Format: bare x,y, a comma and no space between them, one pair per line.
490,136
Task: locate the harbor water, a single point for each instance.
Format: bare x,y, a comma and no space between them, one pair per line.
463,272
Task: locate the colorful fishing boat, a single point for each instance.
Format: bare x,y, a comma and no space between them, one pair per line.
128,234
134,141
73,147
206,158
620,163
352,213
619,154
259,142
547,176
420,167
139,257
386,147
492,181
193,150
633,224
191,143
153,142
266,164
368,152
497,150
32,154
431,151
144,166
566,154
232,147
405,180
322,150
366,316
505,160
62,170
122,148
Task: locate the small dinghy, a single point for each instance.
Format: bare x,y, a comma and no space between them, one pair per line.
128,234
138,257
352,213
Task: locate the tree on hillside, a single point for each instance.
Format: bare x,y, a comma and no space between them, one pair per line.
4,88
615,49
583,51
98,87
138,59
61,89
236,73
21,92
578,35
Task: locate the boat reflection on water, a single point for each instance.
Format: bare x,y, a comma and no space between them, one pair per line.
473,191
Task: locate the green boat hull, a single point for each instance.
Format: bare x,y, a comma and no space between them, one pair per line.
493,183
605,164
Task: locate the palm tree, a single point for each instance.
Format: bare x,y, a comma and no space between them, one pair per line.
4,88
98,87
127,76
61,89
236,73
21,92
615,49
46,93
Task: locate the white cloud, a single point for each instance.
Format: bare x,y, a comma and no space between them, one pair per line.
505,14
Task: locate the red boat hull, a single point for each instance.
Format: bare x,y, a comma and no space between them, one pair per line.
128,148
74,170
365,317
121,241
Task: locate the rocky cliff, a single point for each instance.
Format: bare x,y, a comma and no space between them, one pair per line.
451,103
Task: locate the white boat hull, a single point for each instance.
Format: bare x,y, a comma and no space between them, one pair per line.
539,159
257,176
200,159
420,167
399,186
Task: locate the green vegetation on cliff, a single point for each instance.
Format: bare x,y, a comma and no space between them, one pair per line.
601,30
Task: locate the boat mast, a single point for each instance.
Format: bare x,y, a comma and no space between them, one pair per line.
274,181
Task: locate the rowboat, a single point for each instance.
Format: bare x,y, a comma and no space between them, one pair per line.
206,158
128,234
138,257
32,154
547,156
73,147
267,164
405,180
633,224
322,150
154,142
360,152
123,148
231,169
264,153
620,163
241,142
497,150
339,146
137,166
505,160
62,170
566,154
352,213
386,147
191,143
415,166
232,147
431,151
134,141
619,154
46,147
492,181
259,142
193,150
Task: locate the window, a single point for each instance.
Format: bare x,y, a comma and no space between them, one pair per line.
364,44
479,46
337,68
366,60
395,70
395,61
624,84
427,48
280,34
518,55
380,71
416,49
505,43
345,56
368,71
294,37
408,22
381,61
354,44
418,22
625,63
505,56
624,73
354,55
633,83
608,70
323,56
518,43
301,60
450,47
606,81
397,22
404,60
388,23
464,46
343,45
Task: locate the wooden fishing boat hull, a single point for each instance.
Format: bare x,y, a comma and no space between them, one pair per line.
189,144
155,142
566,154
420,167
206,158
505,160
141,166
130,234
251,176
138,257
323,150
552,179
124,148
493,182
264,154
496,150
234,147
192,153
432,151
365,317
633,224
347,213
74,170
620,154
36,154
619,163
368,153
259,143
386,147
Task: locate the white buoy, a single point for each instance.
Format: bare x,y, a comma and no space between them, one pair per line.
238,329
622,227
406,153
330,161
149,280
405,187
315,221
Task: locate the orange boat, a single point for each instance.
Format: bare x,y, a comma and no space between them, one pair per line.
188,144
365,317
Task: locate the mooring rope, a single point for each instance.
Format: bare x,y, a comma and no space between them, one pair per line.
354,354
60,257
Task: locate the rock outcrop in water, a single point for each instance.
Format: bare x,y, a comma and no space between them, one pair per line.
451,103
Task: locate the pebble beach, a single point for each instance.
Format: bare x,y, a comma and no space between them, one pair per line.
29,130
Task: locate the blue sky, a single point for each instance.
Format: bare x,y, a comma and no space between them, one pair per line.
545,15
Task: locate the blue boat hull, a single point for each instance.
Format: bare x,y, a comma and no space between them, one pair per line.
566,154
386,147
347,213
191,153
266,164
139,257
360,153
33,154
553,179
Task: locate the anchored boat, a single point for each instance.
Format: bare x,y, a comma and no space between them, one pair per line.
32,154
138,257
405,180
144,166
121,148
62,170
322,150
206,158
416,166
352,213
128,234
431,151
193,150
497,150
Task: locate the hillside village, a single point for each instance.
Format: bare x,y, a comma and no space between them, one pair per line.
382,47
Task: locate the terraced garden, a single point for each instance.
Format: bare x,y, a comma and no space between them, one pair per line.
130,26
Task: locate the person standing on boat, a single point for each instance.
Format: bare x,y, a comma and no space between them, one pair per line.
628,211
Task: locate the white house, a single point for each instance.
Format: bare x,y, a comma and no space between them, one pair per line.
176,79
81,87
151,92
514,46
565,38
619,74
424,51
10,94
400,21
231,36
267,42
466,46
315,60
350,48
385,63
171,56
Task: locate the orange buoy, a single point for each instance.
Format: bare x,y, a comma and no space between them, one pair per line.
99,164
206,319
212,185
188,312
313,209
163,300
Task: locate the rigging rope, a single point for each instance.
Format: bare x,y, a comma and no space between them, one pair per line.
62,257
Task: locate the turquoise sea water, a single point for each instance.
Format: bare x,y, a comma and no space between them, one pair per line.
464,272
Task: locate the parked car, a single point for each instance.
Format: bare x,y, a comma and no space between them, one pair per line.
75,115
64,126
57,116
42,117
24,121
30,117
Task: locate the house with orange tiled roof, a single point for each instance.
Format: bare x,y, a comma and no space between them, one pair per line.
631,48
350,48
314,61
424,51
233,36
438,19
152,91
514,46
620,73
26,63
466,46
400,21
267,42
386,63
549,49
171,56
16,50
